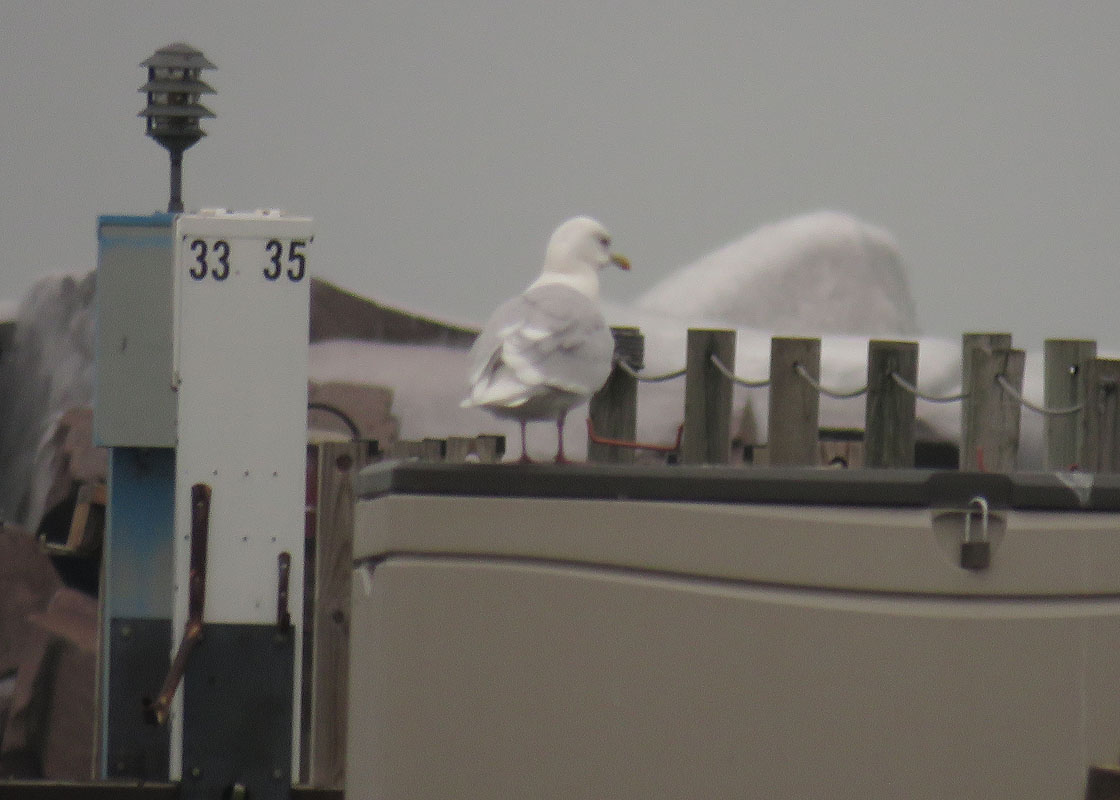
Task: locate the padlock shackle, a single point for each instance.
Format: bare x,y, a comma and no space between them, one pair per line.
980,502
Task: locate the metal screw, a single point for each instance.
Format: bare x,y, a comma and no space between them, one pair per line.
196,772
126,631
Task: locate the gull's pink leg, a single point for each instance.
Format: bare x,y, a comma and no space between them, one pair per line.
524,451
560,459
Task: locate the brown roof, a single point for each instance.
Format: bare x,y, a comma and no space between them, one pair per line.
339,314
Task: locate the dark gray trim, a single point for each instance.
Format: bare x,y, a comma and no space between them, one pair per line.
139,657
237,713
912,488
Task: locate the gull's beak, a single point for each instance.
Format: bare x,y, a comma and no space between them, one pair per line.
620,261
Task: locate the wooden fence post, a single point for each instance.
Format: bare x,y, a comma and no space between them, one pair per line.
490,447
888,439
1064,387
707,397
1101,417
614,408
433,450
794,419
338,463
458,449
990,429
989,341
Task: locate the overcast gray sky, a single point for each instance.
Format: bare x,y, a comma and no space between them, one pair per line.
438,144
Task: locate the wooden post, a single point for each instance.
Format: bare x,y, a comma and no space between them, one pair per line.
339,462
707,397
989,341
490,447
458,448
991,415
404,449
614,408
1065,387
1101,418
794,405
433,450
888,439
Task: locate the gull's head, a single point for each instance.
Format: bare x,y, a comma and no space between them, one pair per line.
581,245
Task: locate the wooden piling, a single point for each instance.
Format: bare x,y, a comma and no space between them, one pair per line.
338,463
490,447
1064,387
707,397
991,416
794,417
988,341
433,450
458,449
1100,450
889,429
614,408
403,449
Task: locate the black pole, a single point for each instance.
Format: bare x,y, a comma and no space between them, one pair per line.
175,203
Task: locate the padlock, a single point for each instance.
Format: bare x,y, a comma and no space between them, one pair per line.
976,555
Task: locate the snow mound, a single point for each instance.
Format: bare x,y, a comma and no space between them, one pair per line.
818,273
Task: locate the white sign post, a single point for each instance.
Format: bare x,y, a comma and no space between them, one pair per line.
239,368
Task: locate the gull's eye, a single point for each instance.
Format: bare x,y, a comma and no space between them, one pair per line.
605,241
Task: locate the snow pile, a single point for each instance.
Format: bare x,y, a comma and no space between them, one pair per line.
824,272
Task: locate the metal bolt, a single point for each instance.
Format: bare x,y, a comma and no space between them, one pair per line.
277,774
126,631
196,772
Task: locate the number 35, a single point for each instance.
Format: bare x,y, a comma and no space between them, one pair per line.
296,257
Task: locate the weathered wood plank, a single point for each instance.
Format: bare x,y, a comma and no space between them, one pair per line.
988,341
614,408
794,418
432,449
490,447
1100,450
1064,387
992,415
458,449
707,397
889,429
338,463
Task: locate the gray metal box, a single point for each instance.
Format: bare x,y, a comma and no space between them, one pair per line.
135,402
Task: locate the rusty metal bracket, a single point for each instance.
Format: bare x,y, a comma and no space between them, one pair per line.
157,712
656,448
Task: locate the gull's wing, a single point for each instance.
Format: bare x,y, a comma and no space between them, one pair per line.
549,338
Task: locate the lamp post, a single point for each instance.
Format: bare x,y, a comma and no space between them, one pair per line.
173,112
